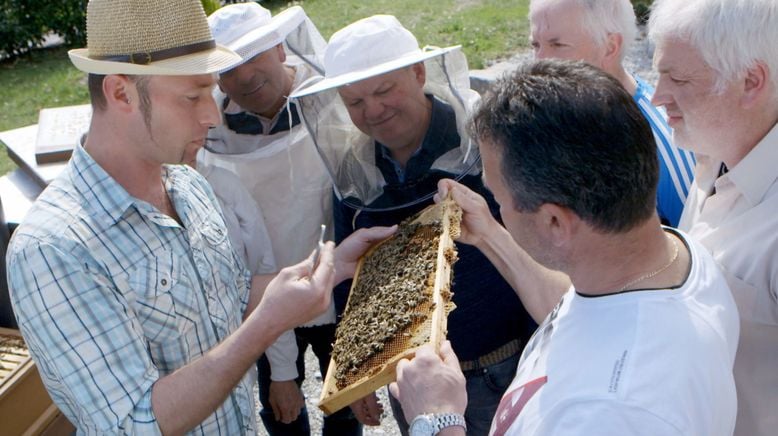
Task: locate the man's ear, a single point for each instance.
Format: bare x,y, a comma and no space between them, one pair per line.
119,92
419,72
755,84
558,223
613,45
281,53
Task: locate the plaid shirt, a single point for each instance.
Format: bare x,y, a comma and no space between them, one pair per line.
111,295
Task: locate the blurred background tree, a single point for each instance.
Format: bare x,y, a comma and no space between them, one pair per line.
642,9
24,24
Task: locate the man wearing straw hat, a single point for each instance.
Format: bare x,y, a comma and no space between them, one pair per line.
139,314
409,107
262,142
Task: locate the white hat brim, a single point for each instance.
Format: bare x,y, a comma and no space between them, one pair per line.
209,61
356,76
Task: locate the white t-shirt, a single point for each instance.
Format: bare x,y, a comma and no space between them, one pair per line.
739,226
647,362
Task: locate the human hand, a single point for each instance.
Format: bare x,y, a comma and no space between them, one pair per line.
349,251
430,383
368,410
286,400
477,219
295,296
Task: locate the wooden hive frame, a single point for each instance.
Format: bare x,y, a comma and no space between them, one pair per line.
448,214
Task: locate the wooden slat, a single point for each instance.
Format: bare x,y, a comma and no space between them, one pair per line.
13,358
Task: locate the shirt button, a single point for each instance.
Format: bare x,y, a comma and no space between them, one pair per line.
164,282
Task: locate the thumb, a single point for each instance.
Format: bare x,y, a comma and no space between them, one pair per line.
395,391
324,273
444,185
447,354
304,268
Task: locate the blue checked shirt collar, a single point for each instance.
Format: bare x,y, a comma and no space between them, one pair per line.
103,195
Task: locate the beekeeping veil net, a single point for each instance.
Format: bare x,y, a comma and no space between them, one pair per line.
362,50
248,29
276,162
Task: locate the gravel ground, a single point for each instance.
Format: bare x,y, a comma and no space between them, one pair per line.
312,390
637,61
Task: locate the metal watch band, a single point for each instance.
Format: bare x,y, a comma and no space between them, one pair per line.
443,420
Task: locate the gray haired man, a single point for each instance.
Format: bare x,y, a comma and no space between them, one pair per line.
718,66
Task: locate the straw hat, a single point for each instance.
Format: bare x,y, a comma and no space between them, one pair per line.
369,47
248,29
149,37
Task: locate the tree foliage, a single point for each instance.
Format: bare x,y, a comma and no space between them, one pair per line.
25,23
642,9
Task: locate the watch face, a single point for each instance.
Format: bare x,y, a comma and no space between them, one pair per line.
422,426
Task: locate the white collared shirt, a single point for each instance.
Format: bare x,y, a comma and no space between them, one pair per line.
739,226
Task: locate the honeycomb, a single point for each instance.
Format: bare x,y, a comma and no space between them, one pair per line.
13,354
398,301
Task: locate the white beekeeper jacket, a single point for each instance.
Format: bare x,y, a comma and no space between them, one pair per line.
285,176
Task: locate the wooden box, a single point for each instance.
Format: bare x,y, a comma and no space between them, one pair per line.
59,128
25,406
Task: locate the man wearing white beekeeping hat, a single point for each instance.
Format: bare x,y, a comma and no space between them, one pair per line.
409,107
262,142
139,315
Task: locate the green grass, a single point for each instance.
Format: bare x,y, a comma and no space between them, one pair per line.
487,30
46,78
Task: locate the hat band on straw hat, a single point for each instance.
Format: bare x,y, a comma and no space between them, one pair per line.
147,58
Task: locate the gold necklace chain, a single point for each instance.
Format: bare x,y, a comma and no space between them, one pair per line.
652,274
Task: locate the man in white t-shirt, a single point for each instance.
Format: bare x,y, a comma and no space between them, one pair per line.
718,81
643,339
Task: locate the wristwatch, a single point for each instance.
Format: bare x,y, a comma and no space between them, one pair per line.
430,424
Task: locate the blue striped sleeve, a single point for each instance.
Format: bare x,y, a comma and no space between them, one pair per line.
676,166
82,335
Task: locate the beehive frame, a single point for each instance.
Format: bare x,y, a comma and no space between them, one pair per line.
381,369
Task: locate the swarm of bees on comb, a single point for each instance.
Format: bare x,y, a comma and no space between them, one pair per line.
399,300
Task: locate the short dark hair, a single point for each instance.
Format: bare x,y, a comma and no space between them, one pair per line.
569,134
96,96
99,103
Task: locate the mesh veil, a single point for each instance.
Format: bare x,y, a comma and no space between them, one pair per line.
350,156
